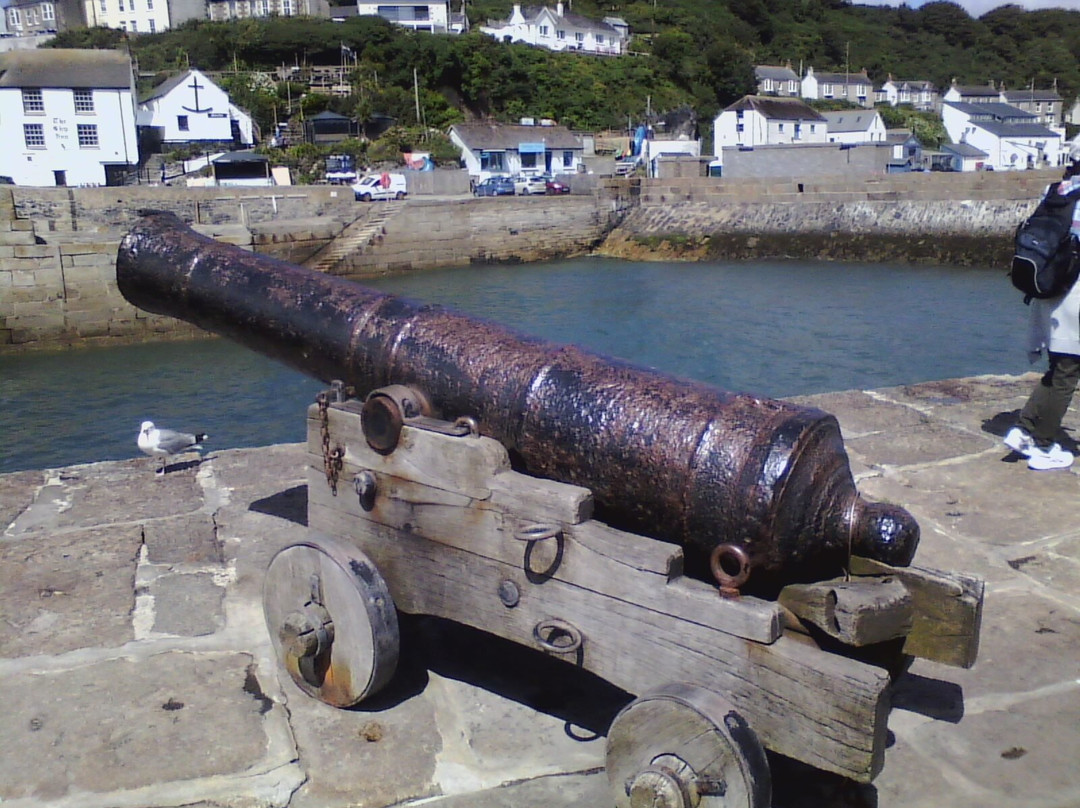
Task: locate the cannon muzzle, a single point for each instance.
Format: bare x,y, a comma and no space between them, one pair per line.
669,458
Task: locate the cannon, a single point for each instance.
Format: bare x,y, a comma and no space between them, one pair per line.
582,506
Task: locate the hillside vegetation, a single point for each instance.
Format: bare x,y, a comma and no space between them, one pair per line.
697,53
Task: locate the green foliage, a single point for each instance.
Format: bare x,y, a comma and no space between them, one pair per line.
699,53
926,126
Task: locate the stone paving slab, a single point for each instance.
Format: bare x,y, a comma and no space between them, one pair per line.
138,671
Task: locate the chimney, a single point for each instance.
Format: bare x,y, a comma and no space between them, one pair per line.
559,8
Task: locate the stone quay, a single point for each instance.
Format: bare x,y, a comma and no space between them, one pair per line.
138,671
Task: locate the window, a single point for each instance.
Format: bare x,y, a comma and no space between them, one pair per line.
153,26
121,5
567,159
813,128
104,7
528,160
84,100
779,127
149,5
492,161
14,18
599,39
47,12
134,25
32,101
34,134
88,138
560,34
579,37
289,10
262,8
123,25
421,13
545,31
182,123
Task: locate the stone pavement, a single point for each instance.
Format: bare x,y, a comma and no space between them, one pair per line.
137,670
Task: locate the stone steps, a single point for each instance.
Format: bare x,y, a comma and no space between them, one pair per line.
354,239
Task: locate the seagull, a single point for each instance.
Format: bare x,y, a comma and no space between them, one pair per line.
166,442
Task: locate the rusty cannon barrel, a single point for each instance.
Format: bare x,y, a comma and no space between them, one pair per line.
669,458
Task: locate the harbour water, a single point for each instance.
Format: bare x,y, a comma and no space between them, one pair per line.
778,328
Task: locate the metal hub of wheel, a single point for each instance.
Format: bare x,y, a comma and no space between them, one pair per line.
331,620
683,746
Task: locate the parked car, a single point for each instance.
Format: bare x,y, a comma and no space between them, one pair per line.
524,186
556,186
380,186
495,186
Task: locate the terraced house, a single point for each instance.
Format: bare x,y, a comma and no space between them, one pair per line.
67,117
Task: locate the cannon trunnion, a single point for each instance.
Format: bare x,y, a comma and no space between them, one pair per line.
553,497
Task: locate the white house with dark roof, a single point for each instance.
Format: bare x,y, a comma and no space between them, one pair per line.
189,108
419,15
979,94
962,157
854,87
488,149
855,126
777,80
224,10
1045,105
1011,138
142,16
558,30
756,120
920,94
67,116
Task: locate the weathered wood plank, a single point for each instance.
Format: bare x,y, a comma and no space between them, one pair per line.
859,612
591,554
947,611
820,708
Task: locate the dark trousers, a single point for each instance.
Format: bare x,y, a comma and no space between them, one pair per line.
1042,414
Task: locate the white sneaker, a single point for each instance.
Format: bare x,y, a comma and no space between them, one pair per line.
1054,457
1019,441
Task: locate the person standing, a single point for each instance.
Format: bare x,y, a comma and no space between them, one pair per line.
1054,326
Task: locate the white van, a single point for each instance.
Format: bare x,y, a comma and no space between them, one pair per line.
380,186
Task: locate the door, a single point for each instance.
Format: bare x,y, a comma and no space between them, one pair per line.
60,177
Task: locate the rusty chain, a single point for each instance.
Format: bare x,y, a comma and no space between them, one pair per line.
333,459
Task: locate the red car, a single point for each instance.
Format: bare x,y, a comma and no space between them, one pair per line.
556,186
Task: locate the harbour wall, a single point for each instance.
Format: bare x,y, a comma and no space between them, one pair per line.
58,245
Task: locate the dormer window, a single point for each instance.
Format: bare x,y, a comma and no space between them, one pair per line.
545,30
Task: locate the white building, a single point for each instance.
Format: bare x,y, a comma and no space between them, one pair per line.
854,87
419,15
68,117
1011,138
560,30
920,94
777,80
190,109
142,16
855,126
224,10
488,149
756,120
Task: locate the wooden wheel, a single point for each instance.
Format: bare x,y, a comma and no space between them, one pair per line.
331,620
682,746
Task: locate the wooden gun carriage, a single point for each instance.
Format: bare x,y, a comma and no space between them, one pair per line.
444,509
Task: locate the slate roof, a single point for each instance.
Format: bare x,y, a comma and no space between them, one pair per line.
996,110
1025,130
982,91
165,87
785,109
963,150
849,120
508,136
843,78
74,68
1016,96
775,73
530,13
916,84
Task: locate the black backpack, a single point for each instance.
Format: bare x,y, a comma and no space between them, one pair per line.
1045,262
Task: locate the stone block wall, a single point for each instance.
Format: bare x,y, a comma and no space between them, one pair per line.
430,234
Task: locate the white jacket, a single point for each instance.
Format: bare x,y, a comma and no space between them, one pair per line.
1054,323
